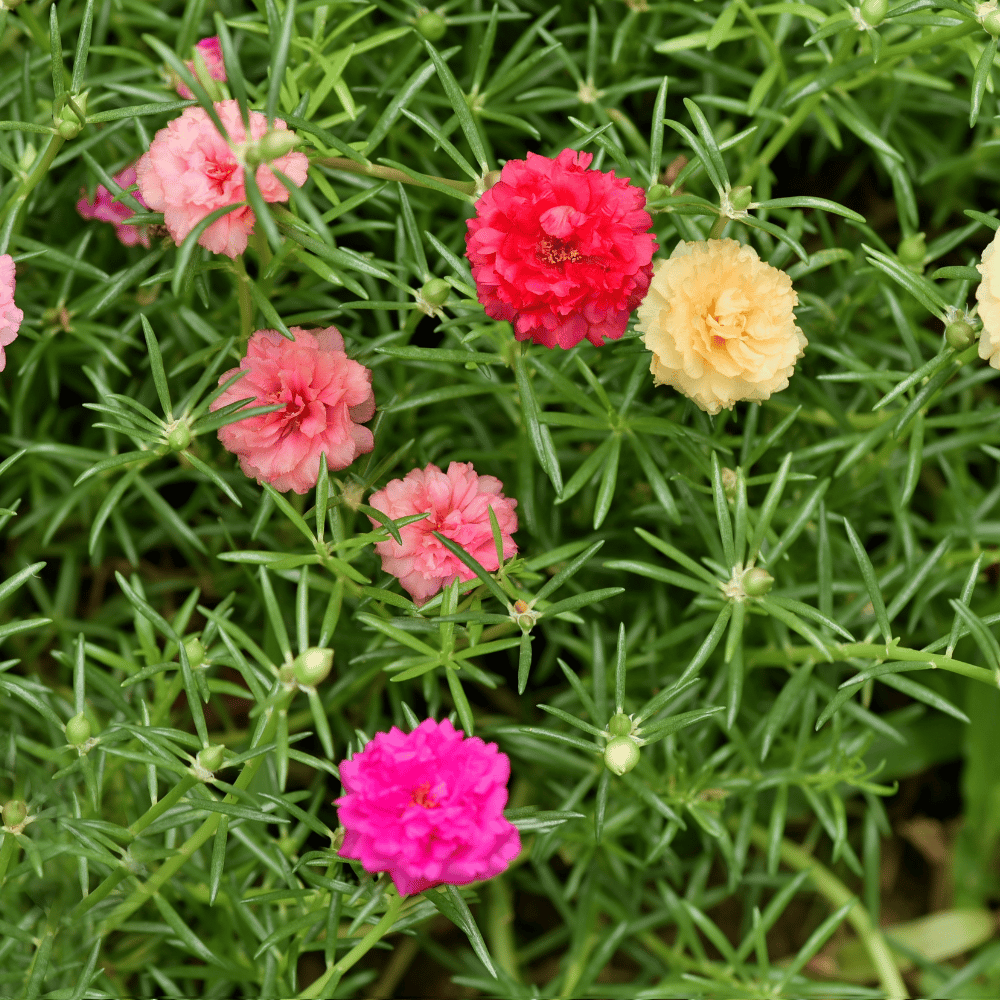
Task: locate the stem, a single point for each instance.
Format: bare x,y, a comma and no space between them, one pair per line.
102,891
8,846
244,297
718,227
38,170
388,173
837,894
335,972
159,808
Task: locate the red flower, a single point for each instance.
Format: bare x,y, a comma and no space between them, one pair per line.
560,251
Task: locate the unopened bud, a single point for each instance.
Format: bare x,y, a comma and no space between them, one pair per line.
432,26
911,252
991,22
68,123
757,582
14,813
313,666
490,178
620,724
959,334
196,653
436,291
179,437
78,730
658,194
621,755
275,144
211,758
874,11
740,198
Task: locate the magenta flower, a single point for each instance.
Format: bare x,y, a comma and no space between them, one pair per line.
10,315
326,397
560,251
104,208
191,170
427,807
459,501
210,50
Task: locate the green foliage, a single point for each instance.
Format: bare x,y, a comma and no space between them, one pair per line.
767,582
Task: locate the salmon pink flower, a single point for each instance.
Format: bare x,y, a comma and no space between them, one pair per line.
427,807
459,503
560,251
191,170
10,315
104,208
326,397
210,50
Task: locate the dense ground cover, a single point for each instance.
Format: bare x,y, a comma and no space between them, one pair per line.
780,826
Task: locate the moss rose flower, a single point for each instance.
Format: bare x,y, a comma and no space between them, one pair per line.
459,502
719,322
10,315
326,397
104,208
191,170
210,50
427,807
988,297
560,251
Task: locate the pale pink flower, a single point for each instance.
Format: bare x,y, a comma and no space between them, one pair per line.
459,501
326,397
210,50
104,208
10,315
427,807
191,170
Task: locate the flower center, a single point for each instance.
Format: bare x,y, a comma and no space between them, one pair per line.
421,796
555,251
220,172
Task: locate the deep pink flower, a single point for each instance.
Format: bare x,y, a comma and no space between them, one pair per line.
104,208
459,501
210,50
326,396
10,315
427,807
560,251
191,170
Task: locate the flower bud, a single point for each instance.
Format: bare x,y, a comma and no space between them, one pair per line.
14,813
620,725
757,582
432,26
874,11
78,730
436,291
196,653
210,758
991,22
275,144
657,194
179,436
959,334
67,122
313,666
911,252
524,616
488,179
621,755
740,198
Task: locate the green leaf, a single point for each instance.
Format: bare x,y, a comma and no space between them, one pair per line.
448,900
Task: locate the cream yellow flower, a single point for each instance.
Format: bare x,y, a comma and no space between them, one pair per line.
720,325
988,297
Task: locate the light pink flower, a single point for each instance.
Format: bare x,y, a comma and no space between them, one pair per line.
104,208
210,50
10,315
191,170
459,501
326,396
427,807
560,251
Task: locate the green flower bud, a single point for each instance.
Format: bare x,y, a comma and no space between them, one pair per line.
275,144
313,666
621,755
436,291
14,813
78,730
196,653
658,194
959,334
620,725
740,198
757,582
490,178
179,437
991,23
874,11
432,26
67,122
210,758
911,252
